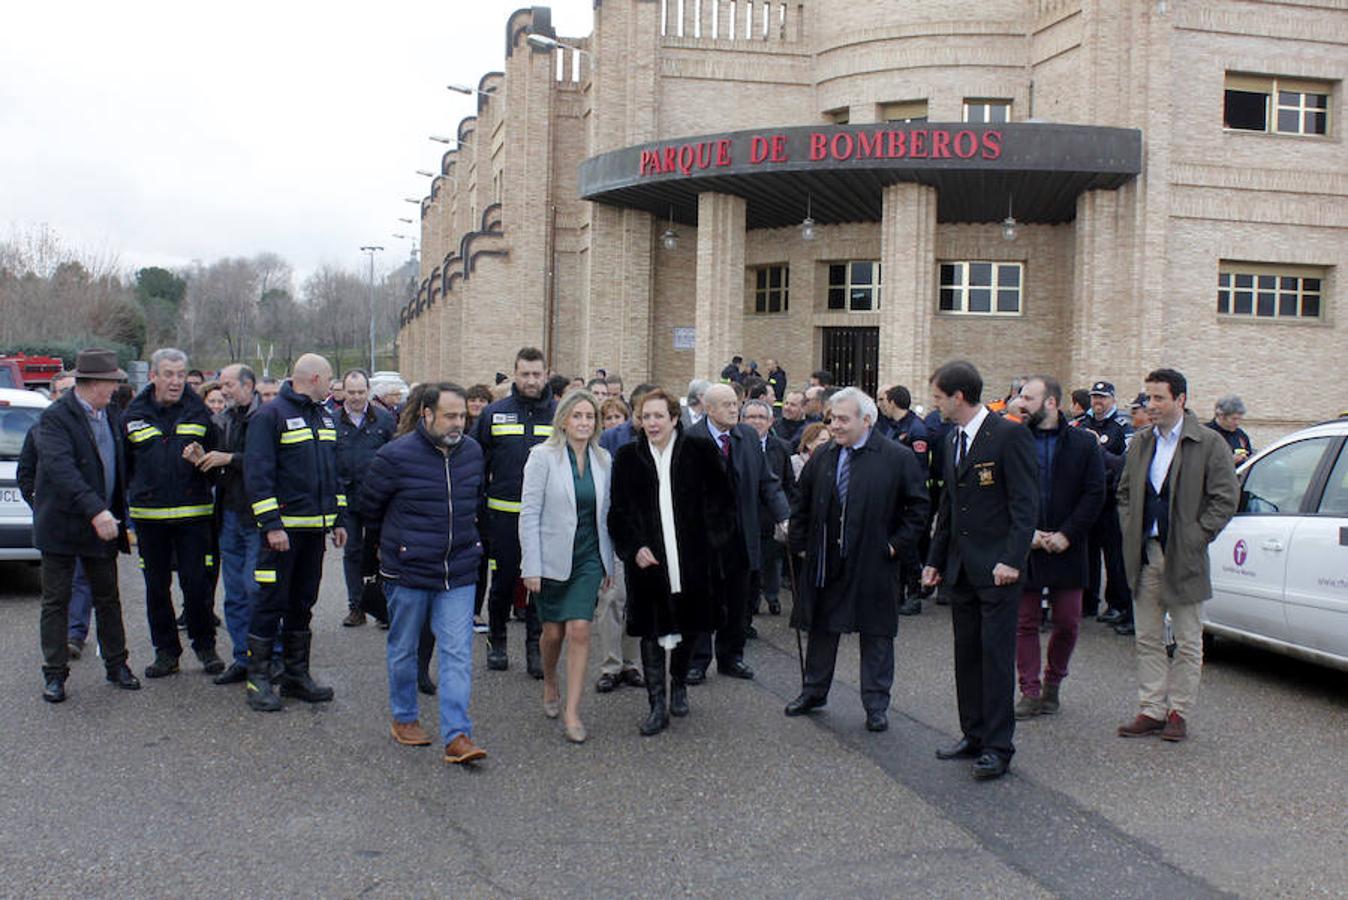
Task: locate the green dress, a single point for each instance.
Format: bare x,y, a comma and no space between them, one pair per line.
575,598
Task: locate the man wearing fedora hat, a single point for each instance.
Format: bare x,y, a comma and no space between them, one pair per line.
79,515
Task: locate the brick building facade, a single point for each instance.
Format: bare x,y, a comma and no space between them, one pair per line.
1214,251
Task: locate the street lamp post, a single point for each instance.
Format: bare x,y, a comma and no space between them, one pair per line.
371,249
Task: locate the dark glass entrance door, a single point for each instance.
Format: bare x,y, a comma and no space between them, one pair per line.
853,356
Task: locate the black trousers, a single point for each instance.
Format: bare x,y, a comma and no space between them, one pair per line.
190,545
58,571
877,667
984,620
287,583
769,577
1106,539
503,530
678,660
351,556
732,595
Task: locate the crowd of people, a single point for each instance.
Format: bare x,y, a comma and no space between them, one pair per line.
655,525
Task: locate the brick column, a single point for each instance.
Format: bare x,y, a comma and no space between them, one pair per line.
720,282
908,298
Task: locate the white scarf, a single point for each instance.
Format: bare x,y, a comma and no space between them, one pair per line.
663,460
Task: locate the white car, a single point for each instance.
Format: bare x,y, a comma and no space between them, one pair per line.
1280,567
19,411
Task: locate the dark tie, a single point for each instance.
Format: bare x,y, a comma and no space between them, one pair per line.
844,474
725,445
963,448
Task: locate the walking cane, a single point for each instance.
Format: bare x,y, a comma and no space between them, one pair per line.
795,598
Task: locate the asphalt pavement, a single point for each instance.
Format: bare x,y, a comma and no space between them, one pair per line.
180,790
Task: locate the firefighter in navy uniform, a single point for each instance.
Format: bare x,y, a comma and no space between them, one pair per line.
290,471
168,430
778,383
1113,429
507,429
907,428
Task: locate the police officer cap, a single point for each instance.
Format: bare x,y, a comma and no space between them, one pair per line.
1140,400
1102,389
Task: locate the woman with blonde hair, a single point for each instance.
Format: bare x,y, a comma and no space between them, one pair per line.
566,556
812,438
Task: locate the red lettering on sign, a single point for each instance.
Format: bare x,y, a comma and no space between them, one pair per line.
687,156
992,144
671,159
778,148
722,152
897,148
835,147
818,146
940,145
917,144
758,150
703,155
647,165
869,145
966,144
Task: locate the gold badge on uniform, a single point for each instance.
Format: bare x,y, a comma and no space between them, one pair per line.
985,476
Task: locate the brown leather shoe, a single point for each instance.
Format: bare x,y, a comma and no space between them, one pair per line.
410,734
1142,726
1175,729
463,750
354,619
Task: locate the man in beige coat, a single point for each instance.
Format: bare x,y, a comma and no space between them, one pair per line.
1178,490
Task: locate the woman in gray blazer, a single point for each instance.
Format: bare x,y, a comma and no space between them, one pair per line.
566,556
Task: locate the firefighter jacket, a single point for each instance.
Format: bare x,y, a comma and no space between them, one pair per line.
507,429
161,485
290,465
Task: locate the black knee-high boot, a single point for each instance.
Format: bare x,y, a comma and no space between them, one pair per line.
425,654
653,668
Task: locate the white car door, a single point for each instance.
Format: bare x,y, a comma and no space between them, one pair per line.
1317,570
1249,557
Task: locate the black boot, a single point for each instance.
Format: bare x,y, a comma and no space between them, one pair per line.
653,669
261,696
678,697
295,680
425,653
533,659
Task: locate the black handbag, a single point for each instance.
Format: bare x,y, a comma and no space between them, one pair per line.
372,600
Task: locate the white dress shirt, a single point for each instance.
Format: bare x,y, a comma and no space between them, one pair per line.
971,430
1166,445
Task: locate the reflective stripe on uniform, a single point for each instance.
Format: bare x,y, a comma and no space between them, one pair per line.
542,431
140,561
210,560
163,513
298,436
309,521
191,429
510,506
141,435
491,565
264,576
341,500
327,434
506,430
266,506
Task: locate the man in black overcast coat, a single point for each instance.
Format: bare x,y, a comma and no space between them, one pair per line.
855,527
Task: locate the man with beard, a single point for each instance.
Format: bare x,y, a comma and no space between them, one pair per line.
507,430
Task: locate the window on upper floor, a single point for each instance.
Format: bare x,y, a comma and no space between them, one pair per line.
772,289
904,111
1276,105
981,288
1267,291
984,110
840,116
854,285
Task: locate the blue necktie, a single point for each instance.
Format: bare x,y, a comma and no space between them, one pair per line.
844,474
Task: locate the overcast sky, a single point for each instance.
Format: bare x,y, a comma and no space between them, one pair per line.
166,132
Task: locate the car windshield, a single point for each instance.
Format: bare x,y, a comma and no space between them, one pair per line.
14,424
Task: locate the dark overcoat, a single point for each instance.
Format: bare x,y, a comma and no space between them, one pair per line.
1075,495
887,504
756,488
704,523
69,489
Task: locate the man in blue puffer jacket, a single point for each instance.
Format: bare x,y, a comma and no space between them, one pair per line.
422,492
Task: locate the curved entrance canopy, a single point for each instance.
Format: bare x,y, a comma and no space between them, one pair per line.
841,170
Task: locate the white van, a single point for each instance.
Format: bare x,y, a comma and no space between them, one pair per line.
19,411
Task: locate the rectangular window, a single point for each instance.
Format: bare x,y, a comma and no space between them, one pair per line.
1265,291
977,110
839,116
906,111
854,286
771,289
980,288
1276,105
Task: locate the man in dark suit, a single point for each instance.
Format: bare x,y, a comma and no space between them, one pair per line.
79,515
984,527
757,414
741,453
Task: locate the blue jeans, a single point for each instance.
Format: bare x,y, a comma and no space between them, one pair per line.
81,605
240,542
451,615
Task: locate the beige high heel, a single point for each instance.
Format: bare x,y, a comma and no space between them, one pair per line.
551,708
575,733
